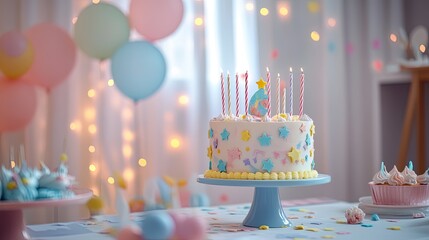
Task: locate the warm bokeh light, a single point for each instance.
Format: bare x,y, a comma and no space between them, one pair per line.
91,149
92,168
127,151
250,6
332,22
393,37
283,11
313,6
422,48
91,93
96,1
315,36
198,21
128,175
110,82
183,100
175,143
142,162
92,129
89,113
12,164
127,114
111,180
264,11
74,20
127,135
75,125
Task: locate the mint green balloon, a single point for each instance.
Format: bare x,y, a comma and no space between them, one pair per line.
101,29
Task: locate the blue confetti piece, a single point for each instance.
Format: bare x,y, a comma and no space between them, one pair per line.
294,209
366,225
316,223
375,217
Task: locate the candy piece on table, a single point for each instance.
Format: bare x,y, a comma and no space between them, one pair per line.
131,232
375,217
354,215
157,225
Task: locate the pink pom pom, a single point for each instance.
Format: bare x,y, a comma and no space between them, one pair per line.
354,215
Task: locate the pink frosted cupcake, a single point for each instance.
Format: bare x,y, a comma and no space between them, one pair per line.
399,188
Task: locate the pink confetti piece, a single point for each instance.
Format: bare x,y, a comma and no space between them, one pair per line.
419,215
343,233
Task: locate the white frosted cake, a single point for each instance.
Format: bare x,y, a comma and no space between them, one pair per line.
255,146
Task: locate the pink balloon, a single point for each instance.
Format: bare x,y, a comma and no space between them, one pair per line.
17,104
155,19
192,228
13,43
54,55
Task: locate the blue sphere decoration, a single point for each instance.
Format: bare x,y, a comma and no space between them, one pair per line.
157,225
138,69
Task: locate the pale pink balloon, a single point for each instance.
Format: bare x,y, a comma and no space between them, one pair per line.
192,228
155,19
18,104
13,43
54,55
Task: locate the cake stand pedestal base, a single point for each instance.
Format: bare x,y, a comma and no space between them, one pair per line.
266,206
266,209
12,225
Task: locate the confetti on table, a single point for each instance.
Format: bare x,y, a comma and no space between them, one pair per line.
419,215
316,223
328,229
299,227
391,220
264,227
375,217
342,233
341,222
308,216
312,229
366,225
293,217
328,237
394,228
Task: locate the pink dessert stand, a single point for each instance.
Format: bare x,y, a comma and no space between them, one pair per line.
12,224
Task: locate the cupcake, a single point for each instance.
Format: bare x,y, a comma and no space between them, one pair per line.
399,188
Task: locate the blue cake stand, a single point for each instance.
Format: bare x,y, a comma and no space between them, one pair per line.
266,206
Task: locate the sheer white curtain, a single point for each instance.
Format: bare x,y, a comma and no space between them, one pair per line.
234,37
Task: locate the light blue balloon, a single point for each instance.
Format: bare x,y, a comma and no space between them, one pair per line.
157,225
138,69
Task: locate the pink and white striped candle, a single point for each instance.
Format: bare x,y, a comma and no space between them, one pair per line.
222,90
237,96
269,91
301,94
229,94
246,90
291,92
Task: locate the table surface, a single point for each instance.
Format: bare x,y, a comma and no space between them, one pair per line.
322,219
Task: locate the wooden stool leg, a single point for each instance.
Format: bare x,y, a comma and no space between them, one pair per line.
406,128
421,130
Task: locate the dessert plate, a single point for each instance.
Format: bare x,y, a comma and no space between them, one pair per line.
366,204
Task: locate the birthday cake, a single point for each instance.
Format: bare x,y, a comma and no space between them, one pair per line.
22,183
258,146
399,188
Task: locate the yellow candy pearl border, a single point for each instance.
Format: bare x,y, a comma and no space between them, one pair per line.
261,175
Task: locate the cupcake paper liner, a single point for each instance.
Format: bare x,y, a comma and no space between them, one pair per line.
399,195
